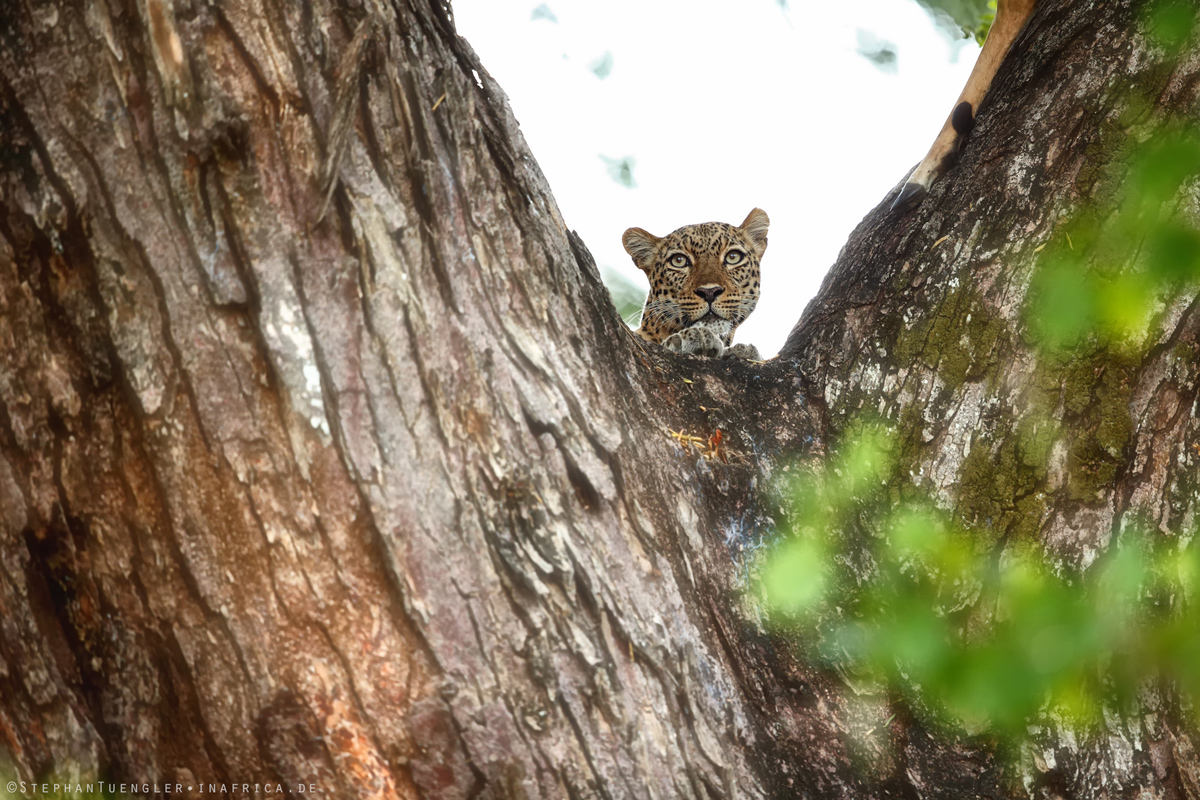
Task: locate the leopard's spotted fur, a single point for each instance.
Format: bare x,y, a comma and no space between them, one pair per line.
704,282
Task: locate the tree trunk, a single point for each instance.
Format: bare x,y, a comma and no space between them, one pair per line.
325,460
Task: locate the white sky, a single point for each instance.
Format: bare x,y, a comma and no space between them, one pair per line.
725,105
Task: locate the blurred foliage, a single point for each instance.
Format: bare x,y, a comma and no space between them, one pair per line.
878,51
984,26
627,297
1114,267
974,629
900,595
602,67
962,18
543,12
621,170
1172,23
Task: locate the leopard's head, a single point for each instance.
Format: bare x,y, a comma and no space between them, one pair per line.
703,274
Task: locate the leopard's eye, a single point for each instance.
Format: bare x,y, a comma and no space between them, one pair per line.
679,261
734,257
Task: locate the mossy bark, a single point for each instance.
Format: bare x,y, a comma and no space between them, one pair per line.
324,458
925,321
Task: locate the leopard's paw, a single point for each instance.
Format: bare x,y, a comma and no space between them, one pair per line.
696,341
746,351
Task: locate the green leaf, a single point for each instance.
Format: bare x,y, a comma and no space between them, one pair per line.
543,12
621,170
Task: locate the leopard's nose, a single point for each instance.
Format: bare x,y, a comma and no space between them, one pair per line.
709,292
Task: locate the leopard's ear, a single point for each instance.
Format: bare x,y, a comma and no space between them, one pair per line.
755,227
640,245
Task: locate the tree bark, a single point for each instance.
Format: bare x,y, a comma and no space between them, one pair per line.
326,461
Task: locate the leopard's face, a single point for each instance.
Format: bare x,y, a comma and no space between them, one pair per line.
706,275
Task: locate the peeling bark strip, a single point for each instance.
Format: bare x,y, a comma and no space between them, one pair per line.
381,496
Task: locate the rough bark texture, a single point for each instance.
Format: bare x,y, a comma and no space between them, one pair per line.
325,459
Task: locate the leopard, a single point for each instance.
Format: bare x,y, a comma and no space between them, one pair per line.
704,282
